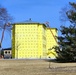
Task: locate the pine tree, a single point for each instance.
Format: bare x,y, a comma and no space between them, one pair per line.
67,41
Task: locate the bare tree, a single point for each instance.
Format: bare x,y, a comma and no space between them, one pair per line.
17,46
5,18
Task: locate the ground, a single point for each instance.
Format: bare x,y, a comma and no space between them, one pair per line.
35,67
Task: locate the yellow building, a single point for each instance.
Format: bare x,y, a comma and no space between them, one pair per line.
32,40
51,34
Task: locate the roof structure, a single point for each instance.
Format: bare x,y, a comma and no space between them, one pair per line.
32,22
7,49
29,22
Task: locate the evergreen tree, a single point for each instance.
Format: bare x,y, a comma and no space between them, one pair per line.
67,41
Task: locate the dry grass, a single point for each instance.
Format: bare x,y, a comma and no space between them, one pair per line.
36,67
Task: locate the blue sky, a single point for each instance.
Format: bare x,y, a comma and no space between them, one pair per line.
37,10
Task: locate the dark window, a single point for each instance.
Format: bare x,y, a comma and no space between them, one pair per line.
5,52
9,52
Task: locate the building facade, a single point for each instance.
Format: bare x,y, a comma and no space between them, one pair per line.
51,34
32,40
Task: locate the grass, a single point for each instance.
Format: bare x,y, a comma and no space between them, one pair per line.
35,67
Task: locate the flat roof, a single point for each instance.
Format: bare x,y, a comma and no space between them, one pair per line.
32,22
51,28
7,49
29,22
